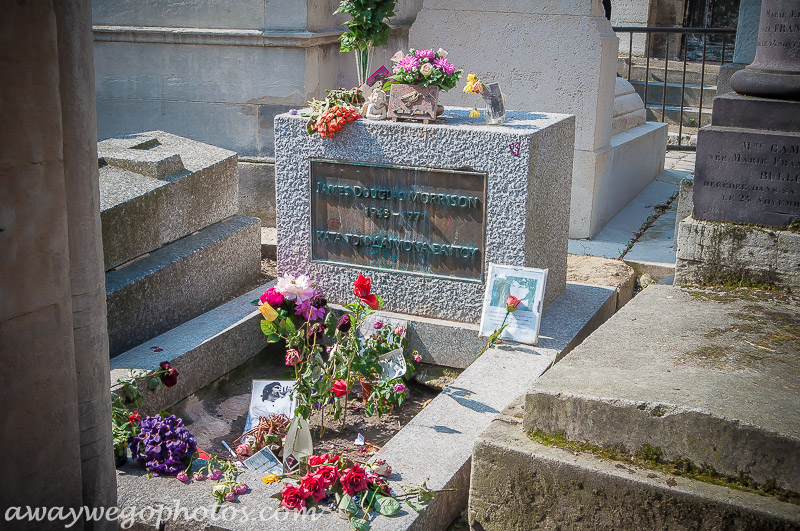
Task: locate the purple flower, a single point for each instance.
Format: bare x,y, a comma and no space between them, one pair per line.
215,475
230,497
241,488
182,477
424,54
399,331
444,65
377,325
292,111
198,476
399,388
344,324
312,308
408,63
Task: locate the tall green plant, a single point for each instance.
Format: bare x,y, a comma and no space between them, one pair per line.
366,30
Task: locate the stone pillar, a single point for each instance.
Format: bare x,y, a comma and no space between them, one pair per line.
775,71
56,429
745,48
40,440
87,277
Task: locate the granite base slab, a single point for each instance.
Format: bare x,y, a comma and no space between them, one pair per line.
181,281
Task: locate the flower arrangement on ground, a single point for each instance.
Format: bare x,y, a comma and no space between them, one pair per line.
163,446
356,490
326,353
328,116
425,68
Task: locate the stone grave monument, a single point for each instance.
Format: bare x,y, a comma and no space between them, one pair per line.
173,244
423,210
559,57
747,180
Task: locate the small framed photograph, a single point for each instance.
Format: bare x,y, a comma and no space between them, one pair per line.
270,397
524,283
264,462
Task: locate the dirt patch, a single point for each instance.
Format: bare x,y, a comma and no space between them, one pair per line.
218,412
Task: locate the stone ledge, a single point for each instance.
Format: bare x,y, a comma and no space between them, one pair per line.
519,484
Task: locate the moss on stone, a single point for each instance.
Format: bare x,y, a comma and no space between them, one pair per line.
652,458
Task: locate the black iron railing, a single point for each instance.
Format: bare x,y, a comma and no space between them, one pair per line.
696,49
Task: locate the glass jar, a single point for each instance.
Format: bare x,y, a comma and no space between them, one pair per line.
495,111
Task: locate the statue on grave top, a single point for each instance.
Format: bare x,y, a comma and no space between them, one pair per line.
376,106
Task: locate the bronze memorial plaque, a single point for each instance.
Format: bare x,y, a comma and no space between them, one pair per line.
415,220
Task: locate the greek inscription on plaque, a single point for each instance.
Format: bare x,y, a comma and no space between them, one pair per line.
414,220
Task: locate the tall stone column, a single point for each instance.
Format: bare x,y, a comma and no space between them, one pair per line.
40,439
87,277
56,410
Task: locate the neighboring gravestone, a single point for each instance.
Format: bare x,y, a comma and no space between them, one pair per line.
423,209
748,168
748,160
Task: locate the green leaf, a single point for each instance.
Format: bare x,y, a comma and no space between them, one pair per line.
290,328
154,383
256,302
273,338
347,504
388,506
359,524
268,327
418,507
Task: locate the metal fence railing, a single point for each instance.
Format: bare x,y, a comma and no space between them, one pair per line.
675,54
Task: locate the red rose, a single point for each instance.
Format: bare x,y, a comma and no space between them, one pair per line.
171,378
362,288
375,482
354,480
339,388
316,460
165,366
512,303
135,417
314,485
294,498
329,475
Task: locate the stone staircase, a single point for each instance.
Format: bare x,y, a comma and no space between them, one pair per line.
176,253
696,84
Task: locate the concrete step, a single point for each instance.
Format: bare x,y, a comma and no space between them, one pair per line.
269,242
202,350
156,188
691,93
519,484
674,73
672,115
712,378
180,281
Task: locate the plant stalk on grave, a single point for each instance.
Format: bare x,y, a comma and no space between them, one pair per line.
423,67
512,303
327,354
366,30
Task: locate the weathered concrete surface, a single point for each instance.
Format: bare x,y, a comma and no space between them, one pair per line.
156,187
713,382
598,271
257,189
526,210
202,350
181,281
434,447
709,250
519,484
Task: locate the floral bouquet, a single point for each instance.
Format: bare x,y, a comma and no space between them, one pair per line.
356,490
327,117
327,355
163,446
425,68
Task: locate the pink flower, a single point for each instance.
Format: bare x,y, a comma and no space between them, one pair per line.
408,63
241,488
424,54
215,475
198,476
272,297
399,331
295,289
417,358
230,497
182,477
307,310
244,450
293,357
397,56
377,325
444,65
399,388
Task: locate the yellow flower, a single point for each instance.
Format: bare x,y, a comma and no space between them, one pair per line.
474,113
472,77
272,478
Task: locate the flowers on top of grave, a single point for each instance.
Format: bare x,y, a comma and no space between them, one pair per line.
356,490
340,107
494,112
366,30
327,354
512,304
124,427
425,68
163,446
269,432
